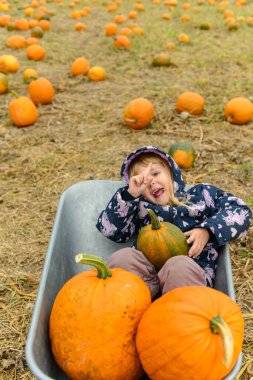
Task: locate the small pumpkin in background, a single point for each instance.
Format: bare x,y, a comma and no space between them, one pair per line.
138,30
166,16
37,32
16,42
79,66
160,241
32,41
185,17
21,24
32,23
184,38
80,27
132,15
122,41
138,113
170,45
45,24
126,31
191,332
162,59
183,153
5,20
96,73
35,52
120,19
29,75
190,102
8,64
111,29
4,81
95,316
23,111
239,111
41,91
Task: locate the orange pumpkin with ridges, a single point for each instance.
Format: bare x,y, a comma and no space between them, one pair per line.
239,111
80,66
95,316
96,73
8,64
111,29
21,24
35,52
41,91
122,42
138,113
191,332
23,111
16,42
190,102
4,20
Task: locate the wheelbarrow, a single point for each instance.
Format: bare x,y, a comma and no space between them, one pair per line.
74,231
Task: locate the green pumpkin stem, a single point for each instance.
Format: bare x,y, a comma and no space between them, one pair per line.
219,326
95,261
154,220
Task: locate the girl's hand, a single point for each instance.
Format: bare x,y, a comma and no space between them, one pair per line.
138,183
198,238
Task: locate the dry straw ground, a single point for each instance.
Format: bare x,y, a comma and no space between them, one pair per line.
81,136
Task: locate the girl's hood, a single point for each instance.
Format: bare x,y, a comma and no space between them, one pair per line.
177,176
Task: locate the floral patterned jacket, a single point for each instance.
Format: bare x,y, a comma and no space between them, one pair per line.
224,215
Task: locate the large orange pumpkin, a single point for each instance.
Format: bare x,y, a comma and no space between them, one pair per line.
161,240
41,91
138,113
190,333
22,111
190,102
94,320
239,111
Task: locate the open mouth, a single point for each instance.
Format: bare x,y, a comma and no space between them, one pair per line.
158,193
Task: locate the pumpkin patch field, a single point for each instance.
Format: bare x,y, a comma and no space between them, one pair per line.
85,82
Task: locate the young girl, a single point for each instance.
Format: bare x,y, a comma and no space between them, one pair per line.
208,216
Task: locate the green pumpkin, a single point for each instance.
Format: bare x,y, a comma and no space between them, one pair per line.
183,153
160,241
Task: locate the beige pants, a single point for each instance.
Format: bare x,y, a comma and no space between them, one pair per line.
177,271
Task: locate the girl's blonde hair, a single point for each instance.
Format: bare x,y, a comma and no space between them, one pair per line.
145,159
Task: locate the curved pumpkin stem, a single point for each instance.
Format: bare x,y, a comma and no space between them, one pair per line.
95,261
219,326
154,220
132,121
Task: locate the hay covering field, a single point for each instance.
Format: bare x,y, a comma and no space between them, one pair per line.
81,134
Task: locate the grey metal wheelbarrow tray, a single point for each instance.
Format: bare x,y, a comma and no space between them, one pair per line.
74,232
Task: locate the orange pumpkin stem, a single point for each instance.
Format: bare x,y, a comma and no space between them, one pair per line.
95,261
219,326
154,220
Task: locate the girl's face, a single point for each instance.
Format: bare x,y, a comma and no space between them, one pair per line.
159,186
